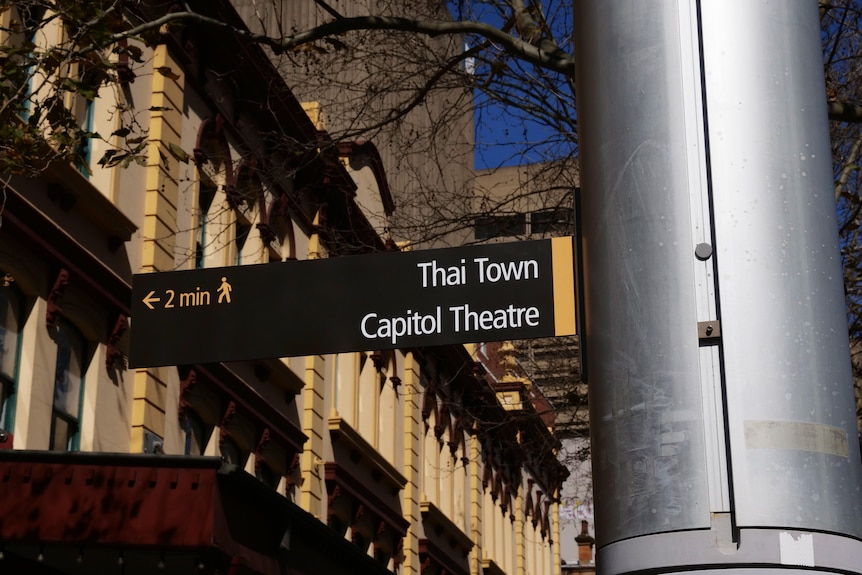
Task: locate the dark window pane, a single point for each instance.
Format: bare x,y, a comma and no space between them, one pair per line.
242,229
62,431
11,301
6,388
10,306
206,194
68,384
555,221
488,227
231,453
196,434
267,476
68,372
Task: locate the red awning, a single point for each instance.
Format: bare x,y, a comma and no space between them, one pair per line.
82,513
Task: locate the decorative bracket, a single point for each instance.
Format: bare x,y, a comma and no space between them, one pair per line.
224,433
113,354
54,312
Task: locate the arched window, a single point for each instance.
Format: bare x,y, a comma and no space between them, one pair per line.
248,203
30,19
242,228
84,112
68,388
214,177
280,245
206,193
11,306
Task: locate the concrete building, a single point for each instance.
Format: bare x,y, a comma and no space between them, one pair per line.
407,461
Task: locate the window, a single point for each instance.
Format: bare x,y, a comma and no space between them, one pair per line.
547,222
280,243
551,222
68,388
241,230
231,453
489,227
11,302
206,194
214,180
87,80
196,434
266,475
84,111
83,151
31,21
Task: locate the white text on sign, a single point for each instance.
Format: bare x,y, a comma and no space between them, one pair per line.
461,318
434,275
464,320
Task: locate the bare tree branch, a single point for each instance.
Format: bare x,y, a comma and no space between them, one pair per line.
534,48
553,58
547,55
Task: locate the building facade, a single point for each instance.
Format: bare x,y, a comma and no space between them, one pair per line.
408,93
538,201
407,461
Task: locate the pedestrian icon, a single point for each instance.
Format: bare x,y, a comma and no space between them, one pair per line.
224,291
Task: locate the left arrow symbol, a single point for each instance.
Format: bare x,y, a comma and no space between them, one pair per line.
149,299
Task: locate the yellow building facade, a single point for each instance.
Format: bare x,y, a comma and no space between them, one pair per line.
409,461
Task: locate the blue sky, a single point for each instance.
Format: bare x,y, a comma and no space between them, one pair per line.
507,135
502,139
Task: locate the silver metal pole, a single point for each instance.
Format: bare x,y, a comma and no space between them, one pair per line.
722,411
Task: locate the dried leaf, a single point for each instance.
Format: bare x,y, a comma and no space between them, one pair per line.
178,153
337,44
167,72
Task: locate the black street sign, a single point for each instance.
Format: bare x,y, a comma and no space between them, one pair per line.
516,290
